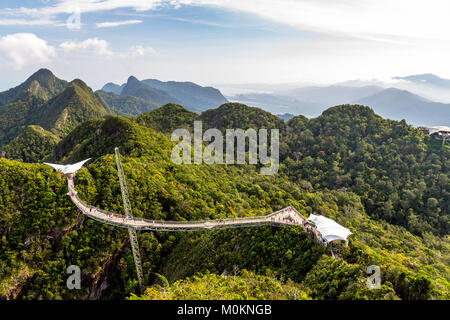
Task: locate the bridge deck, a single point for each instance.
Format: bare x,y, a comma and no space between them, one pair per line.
286,216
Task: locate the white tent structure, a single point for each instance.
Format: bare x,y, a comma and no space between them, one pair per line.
329,229
69,168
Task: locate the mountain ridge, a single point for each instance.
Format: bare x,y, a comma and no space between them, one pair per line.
427,78
189,94
392,103
138,89
124,105
74,105
58,115
43,84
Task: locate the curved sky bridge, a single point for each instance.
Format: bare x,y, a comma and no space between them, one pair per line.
323,230
286,216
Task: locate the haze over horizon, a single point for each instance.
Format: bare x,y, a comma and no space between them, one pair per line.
221,42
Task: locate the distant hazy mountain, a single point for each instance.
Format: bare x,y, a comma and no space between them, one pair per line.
427,78
393,103
138,89
331,95
309,101
278,103
426,85
401,104
190,94
42,84
286,116
124,105
112,87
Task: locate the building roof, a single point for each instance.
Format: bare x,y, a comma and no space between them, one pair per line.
435,129
329,229
69,168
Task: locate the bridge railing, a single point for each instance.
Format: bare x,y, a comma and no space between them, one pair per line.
181,222
184,222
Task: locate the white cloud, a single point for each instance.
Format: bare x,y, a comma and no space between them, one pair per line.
117,23
375,20
23,49
140,51
370,19
99,46
368,37
68,6
26,22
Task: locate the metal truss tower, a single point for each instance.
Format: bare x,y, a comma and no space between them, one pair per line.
129,214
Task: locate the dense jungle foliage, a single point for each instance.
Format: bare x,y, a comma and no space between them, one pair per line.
33,144
401,174
222,287
384,180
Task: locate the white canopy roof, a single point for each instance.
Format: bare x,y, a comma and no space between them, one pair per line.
330,229
69,168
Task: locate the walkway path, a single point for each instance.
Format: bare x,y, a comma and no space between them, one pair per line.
286,216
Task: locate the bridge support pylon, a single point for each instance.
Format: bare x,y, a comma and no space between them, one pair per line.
129,214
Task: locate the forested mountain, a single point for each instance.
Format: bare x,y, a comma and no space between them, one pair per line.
76,104
50,120
33,144
43,84
22,104
401,174
236,115
43,234
168,118
384,180
17,114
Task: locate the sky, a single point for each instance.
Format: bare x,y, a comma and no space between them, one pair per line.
223,41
